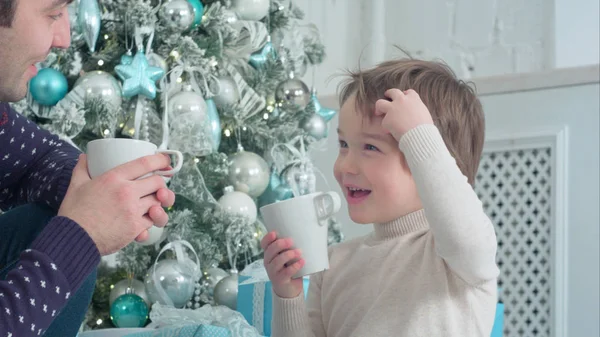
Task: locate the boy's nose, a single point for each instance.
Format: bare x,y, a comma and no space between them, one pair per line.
349,165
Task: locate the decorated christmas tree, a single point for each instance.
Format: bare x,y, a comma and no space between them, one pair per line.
219,81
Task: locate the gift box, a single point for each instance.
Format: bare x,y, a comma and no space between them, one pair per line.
202,330
255,297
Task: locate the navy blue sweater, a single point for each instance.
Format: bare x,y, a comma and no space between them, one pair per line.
36,167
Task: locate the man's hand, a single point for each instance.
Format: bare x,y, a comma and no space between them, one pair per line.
116,208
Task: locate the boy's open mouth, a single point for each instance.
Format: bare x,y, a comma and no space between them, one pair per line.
355,192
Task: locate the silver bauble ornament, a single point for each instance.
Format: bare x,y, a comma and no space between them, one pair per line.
100,84
177,14
229,93
292,94
238,203
315,126
248,173
251,10
187,101
226,291
177,280
155,60
126,286
211,277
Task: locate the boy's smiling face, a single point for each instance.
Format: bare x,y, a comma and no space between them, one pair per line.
371,169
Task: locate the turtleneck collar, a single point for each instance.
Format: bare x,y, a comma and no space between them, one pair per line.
405,224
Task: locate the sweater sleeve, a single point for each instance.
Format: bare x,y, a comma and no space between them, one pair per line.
35,165
291,317
59,260
463,234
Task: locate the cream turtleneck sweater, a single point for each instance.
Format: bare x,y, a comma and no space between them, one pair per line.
429,273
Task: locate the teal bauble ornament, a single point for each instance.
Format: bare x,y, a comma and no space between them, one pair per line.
129,311
260,58
215,123
276,191
198,11
48,87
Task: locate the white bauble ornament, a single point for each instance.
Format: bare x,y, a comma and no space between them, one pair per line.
187,101
176,279
248,173
102,85
226,291
238,203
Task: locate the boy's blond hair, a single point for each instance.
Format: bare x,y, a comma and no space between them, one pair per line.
453,103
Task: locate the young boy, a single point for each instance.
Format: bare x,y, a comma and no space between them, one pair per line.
411,136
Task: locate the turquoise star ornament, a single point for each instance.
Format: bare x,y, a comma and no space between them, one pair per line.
326,113
139,77
259,58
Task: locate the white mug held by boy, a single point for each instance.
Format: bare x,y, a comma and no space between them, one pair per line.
411,136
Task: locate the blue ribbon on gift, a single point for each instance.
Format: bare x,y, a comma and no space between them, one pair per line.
260,319
255,297
498,321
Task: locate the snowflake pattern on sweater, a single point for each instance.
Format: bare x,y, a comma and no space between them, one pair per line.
36,167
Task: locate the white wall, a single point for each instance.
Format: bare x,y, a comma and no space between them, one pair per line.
577,31
554,100
477,38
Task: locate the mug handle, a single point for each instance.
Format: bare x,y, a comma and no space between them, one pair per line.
326,205
177,167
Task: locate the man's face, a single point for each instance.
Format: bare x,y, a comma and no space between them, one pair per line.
38,26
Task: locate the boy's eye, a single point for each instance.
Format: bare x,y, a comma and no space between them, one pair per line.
343,144
371,147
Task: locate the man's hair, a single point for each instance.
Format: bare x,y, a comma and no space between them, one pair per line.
7,12
453,103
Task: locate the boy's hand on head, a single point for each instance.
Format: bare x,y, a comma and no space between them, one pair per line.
402,112
281,263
